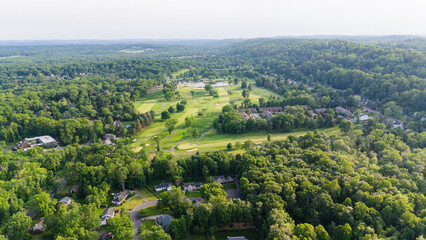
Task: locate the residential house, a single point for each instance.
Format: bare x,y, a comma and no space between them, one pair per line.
268,115
164,221
75,188
363,117
38,227
107,215
108,139
398,123
192,186
223,179
66,201
344,111
163,186
237,238
120,197
44,141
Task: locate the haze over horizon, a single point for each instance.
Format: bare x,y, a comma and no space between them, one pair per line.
194,19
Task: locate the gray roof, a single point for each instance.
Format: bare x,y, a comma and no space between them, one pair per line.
163,185
108,212
65,200
237,238
165,221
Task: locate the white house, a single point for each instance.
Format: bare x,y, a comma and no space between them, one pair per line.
223,179
364,117
66,201
120,197
107,215
163,186
192,186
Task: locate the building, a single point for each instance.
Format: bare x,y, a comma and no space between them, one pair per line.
108,139
66,201
107,215
223,179
398,123
237,238
43,141
192,186
164,221
268,115
163,186
120,197
344,111
363,117
75,188
38,227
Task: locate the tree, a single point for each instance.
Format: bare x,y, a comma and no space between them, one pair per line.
155,232
190,121
41,203
212,189
269,137
121,227
180,107
178,228
165,115
17,226
248,144
249,87
157,141
171,109
195,133
229,146
244,84
192,93
171,125
346,126
342,232
305,231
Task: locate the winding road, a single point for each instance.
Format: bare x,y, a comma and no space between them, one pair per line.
134,216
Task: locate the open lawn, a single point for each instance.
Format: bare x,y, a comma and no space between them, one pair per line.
193,194
209,108
214,141
199,104
132,203
149,223
146,194
153,210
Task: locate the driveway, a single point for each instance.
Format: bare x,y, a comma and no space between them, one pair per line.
134,216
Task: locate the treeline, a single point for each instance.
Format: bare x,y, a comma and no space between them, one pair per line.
231,120
379,74
366,185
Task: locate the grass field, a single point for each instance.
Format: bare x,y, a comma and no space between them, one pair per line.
132,203
146,194
149,223
153,210
193,194
210,108
214,141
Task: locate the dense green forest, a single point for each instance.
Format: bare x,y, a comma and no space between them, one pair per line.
365,183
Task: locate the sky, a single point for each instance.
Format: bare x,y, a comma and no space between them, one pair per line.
207,19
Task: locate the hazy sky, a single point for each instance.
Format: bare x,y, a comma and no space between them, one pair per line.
162,19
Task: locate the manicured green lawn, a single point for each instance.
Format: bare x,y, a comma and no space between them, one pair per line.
210,107
214,141
229,186
132,203
149,223
200,103
193,194
153,210
146,194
